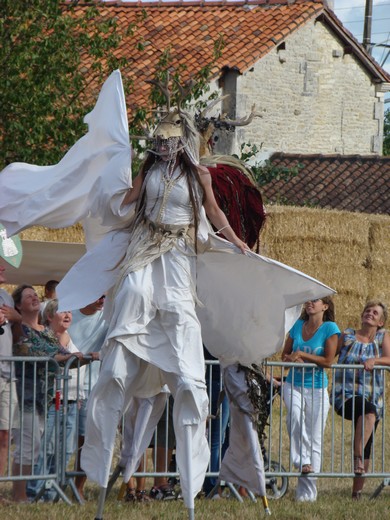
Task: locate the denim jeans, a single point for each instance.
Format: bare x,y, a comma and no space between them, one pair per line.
217,427
46,463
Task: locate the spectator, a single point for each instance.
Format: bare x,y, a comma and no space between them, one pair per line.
163,445
49,293
358,394
59,323
9,319
88,331
35,383
312,339
218,422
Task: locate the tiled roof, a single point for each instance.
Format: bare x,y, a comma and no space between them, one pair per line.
250,29
344,182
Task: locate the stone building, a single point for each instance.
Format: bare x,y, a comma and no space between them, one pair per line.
314,86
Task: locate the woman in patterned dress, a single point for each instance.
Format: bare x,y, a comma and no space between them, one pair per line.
358,394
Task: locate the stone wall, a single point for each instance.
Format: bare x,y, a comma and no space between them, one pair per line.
313,97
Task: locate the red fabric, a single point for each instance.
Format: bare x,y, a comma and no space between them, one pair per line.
240,200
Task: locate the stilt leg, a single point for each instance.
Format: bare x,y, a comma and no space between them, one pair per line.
214,491
265,504
188,452
115,474
102,498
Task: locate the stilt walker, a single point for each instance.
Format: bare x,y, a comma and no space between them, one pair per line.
153,253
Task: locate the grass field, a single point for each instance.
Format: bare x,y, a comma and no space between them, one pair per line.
334,503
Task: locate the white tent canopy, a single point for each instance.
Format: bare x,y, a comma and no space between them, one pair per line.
43,261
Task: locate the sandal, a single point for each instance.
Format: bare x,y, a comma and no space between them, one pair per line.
141,496
306,469
130,495
358,466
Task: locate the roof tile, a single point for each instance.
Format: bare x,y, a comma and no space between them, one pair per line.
246,27
352,182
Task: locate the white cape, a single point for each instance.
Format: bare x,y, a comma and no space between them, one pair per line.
88,183
249,301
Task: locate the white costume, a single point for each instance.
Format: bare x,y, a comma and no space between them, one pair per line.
153,320
244,297
153,313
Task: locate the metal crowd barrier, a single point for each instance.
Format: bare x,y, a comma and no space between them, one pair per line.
337,437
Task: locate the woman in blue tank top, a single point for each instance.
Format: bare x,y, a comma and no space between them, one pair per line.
312,339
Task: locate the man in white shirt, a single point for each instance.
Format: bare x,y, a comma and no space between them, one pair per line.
88,332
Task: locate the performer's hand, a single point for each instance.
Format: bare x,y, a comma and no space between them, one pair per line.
241,245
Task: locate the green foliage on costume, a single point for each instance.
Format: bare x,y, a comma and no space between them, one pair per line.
386,133
265,172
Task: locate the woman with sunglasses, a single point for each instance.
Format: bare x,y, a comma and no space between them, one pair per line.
312,339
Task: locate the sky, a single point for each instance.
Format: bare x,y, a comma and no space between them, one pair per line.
351,13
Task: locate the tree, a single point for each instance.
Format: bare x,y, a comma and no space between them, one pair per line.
386,133
43,89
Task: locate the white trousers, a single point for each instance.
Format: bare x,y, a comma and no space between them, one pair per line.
307,410
122,377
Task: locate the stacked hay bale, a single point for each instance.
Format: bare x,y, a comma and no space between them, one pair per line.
73,234
379,258
347,251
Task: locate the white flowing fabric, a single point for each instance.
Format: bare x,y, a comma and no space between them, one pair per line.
124,375
89,181
141,419
249,302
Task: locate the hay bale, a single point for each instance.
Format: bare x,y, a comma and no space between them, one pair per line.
379,286
305,223
347,251
380,241
73,234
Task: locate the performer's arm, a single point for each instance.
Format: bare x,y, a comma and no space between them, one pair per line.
133,193
216,216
